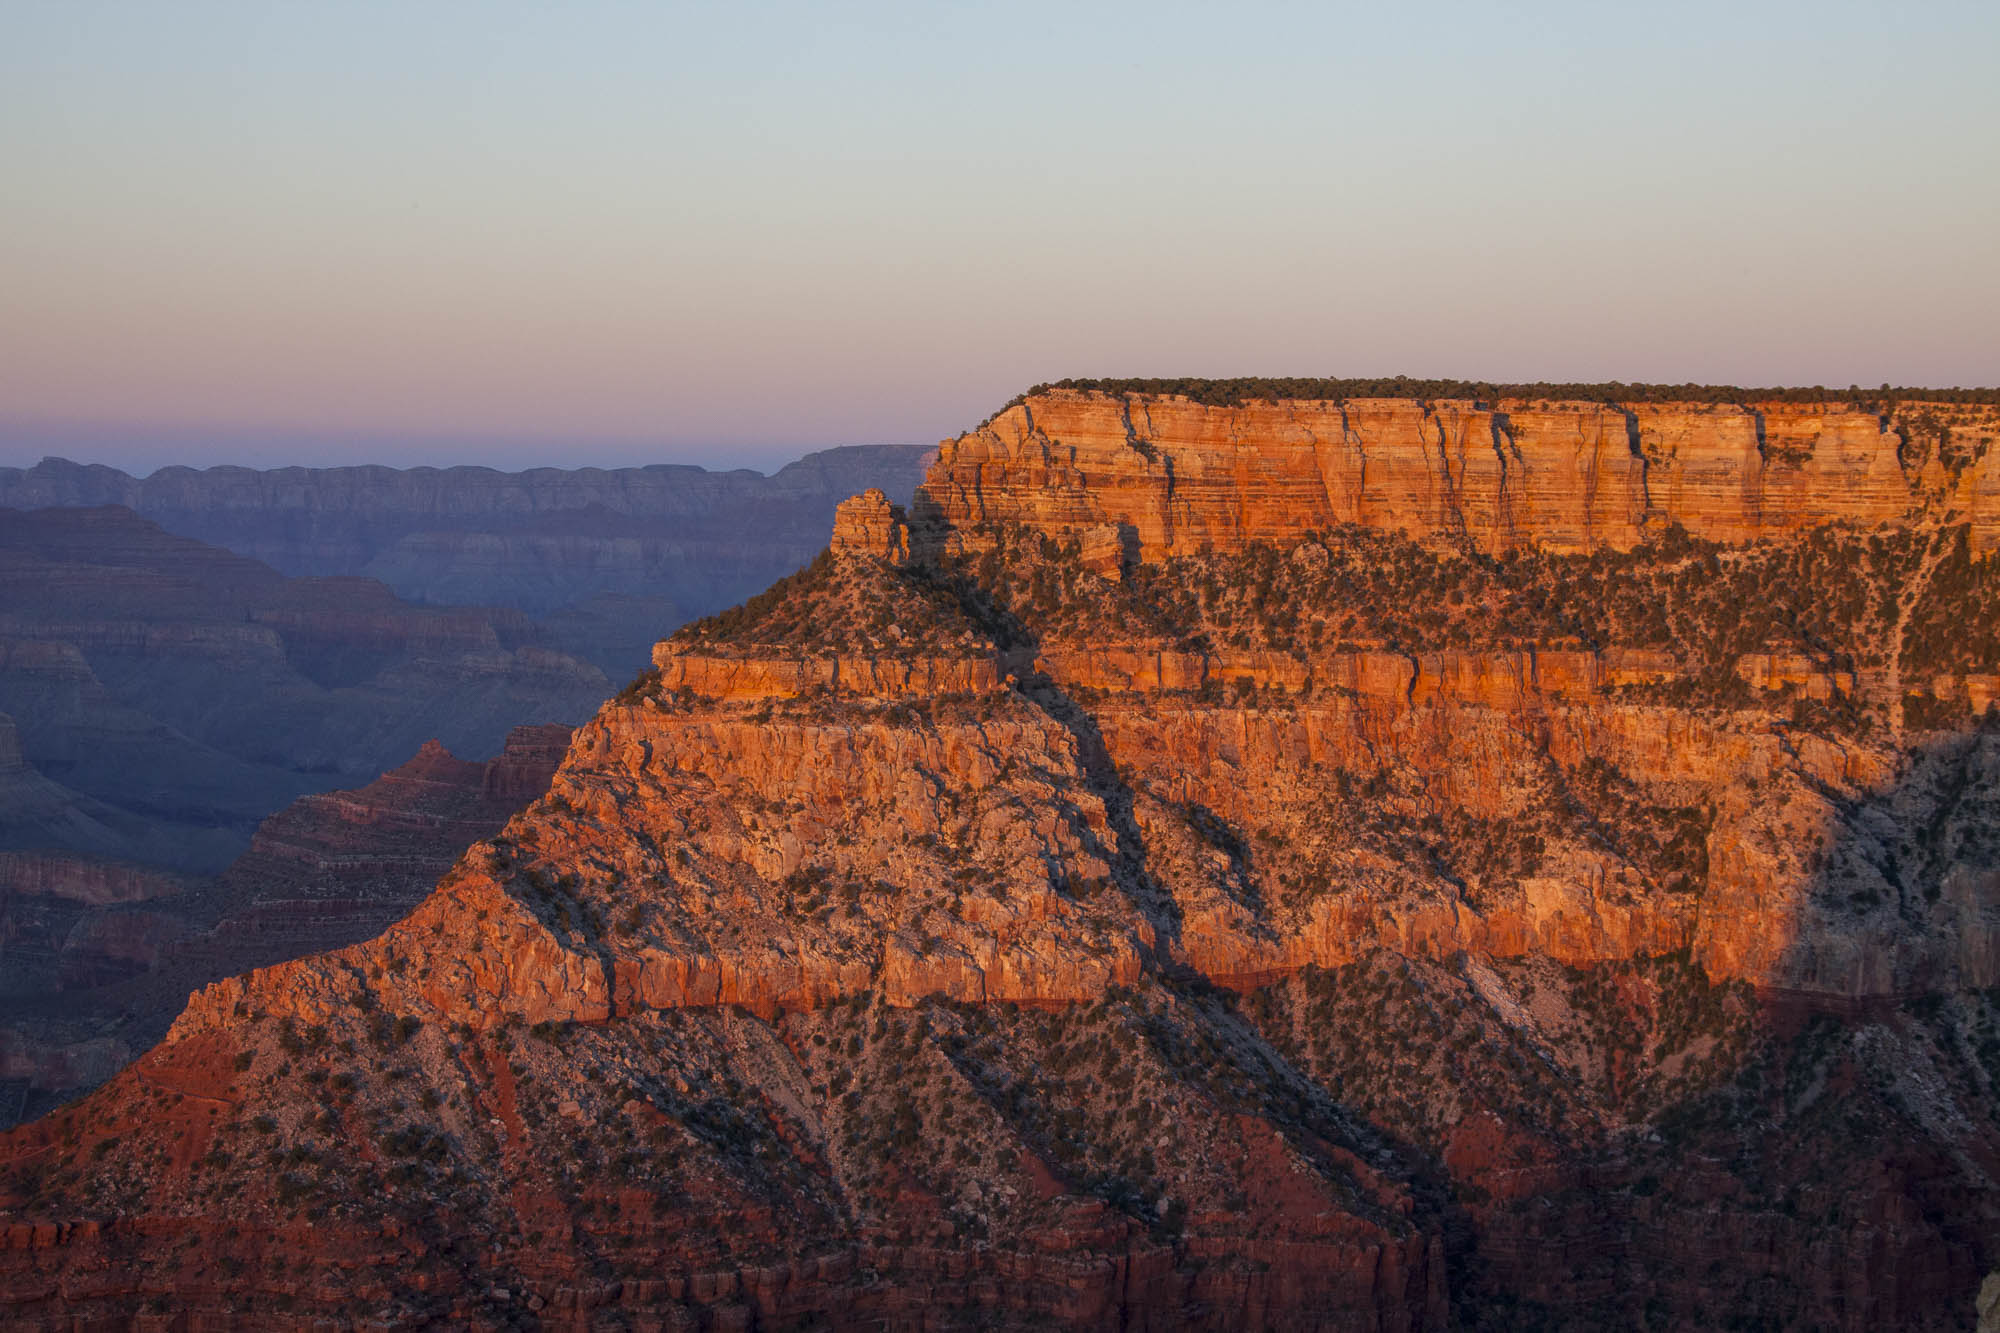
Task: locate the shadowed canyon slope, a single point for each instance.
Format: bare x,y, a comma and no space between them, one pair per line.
98,957
1137,888
166,695
604,557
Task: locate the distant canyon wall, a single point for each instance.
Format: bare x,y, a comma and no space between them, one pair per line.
533,540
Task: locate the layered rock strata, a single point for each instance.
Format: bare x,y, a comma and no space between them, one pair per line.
607,558
187,692
1562,476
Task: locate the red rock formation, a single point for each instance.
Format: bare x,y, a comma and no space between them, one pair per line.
1562,476
1174,954
768,677
869,525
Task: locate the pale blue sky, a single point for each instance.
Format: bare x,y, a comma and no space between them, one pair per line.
275,232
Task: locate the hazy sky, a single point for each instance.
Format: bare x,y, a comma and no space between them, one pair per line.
427,231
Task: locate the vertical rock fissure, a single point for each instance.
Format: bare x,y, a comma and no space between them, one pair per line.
1501,431
1134,441
1437,440
1351,438
1636,448
1141,443
1592,449
1753,478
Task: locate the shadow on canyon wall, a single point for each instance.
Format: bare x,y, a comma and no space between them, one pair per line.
100,959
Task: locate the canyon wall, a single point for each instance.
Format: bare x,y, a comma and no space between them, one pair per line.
1563,476
338,520
181,693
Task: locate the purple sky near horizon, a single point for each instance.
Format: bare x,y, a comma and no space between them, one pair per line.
615,233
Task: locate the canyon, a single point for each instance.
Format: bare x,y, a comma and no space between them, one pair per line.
605,559
163,696
1305,863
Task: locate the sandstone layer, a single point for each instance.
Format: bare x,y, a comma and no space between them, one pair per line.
1563,476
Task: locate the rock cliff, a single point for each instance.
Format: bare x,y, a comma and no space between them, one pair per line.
1119,893
1562,476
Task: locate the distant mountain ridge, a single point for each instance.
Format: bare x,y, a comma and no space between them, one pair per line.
616,556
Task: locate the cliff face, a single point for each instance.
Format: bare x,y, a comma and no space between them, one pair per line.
1037,923
75,879
1555,475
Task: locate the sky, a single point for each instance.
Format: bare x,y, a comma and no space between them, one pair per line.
272,232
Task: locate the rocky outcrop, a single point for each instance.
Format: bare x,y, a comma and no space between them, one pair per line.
1512,679
1509,679
1561,476
1763,919
768,677
869,525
